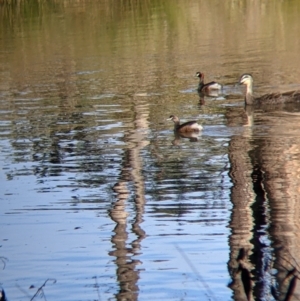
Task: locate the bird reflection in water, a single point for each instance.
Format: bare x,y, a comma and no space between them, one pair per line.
210,96
192,136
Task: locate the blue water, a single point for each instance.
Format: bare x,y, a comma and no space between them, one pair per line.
100,197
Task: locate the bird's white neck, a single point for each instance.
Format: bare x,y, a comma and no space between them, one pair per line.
249,93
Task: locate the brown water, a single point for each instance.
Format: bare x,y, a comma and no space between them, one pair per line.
98,194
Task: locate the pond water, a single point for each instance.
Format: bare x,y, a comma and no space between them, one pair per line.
97,194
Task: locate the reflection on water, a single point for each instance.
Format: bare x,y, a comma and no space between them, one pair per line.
257,167
131,171
192,136
96,185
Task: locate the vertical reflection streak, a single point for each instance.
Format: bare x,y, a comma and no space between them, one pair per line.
241,222
265,215
261,247
281,183
249,256
131,172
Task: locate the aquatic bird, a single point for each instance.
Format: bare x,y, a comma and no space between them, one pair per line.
272,98
190,126
209,87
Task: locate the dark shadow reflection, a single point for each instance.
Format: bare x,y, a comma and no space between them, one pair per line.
264,233
211,95
131,174
192,136
241,222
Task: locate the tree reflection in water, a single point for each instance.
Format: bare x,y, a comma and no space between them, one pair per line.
131,173
264,233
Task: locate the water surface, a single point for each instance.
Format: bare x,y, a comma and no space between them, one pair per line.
98,193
